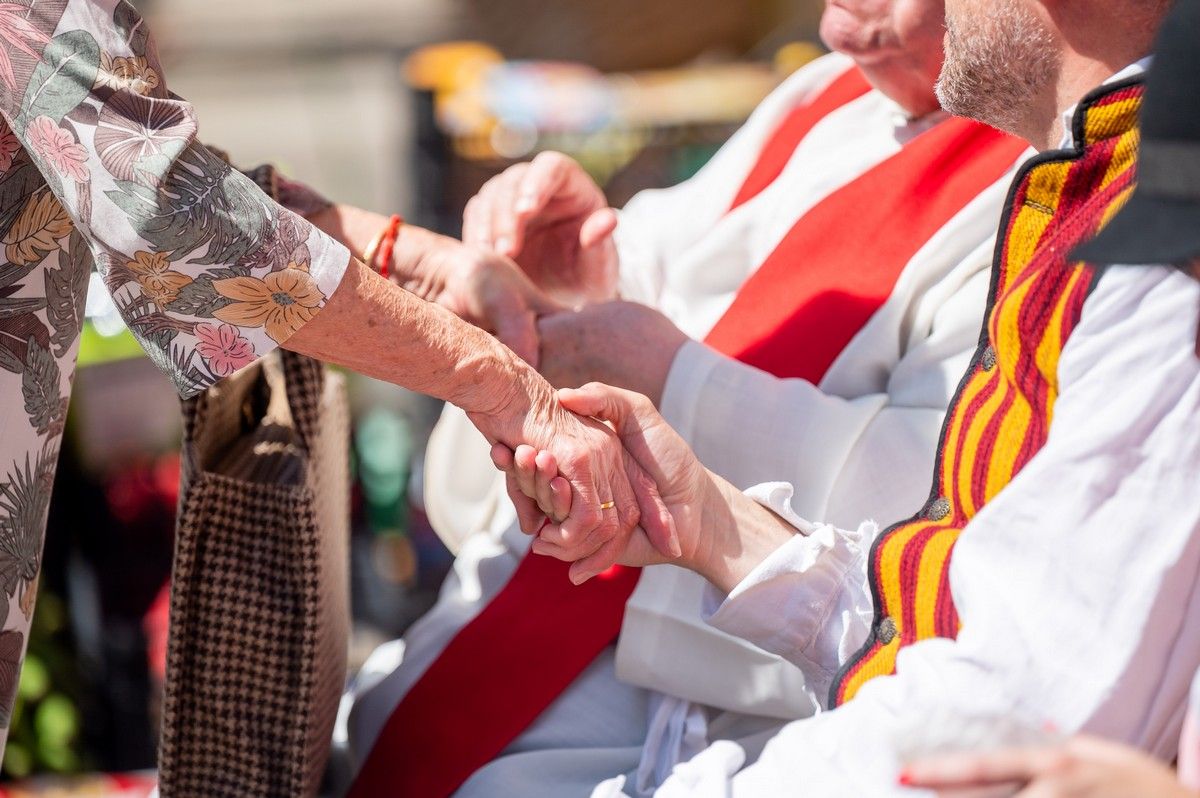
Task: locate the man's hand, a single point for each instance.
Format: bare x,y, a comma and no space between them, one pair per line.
1085,767
619,343
722,534
609,492
481,287
541,496
552,219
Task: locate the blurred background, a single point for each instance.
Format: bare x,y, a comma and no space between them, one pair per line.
399,106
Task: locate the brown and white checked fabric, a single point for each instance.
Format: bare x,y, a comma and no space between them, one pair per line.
256,659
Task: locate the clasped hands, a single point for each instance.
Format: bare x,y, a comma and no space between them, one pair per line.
537,242
555,222
547,508
630,345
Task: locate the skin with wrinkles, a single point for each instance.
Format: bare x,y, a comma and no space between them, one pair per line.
723,535
555,222
439,354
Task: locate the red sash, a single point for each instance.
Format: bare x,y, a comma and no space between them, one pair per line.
846,88
793,322
540,632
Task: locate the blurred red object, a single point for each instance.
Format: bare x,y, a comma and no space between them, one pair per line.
155,626
99,785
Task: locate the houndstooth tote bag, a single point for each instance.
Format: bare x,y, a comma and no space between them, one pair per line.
259,600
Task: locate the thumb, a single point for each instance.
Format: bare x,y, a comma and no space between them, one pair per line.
640,552
597,227
598,400
542,304
518,331
502,457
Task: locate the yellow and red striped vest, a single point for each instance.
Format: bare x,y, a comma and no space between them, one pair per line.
1001,414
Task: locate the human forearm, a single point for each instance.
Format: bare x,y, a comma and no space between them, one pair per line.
381,330
354,227
480,287
820,577
378,329
737,534
357,228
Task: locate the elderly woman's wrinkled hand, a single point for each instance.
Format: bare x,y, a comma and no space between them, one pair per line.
611,495
479,286
541,496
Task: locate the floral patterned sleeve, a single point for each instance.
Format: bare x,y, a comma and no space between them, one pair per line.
207,271
99,165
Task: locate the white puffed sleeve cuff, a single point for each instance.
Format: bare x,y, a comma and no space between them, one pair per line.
809,601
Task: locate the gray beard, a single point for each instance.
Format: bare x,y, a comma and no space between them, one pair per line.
996,66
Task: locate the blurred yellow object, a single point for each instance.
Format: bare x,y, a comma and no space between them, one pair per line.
702,94
454,73
492,109
448,66
791,57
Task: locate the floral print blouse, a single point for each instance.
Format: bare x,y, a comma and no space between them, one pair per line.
99,164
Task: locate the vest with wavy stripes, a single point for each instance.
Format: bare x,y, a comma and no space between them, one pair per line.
1000,416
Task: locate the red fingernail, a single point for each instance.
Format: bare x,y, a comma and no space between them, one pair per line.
905,778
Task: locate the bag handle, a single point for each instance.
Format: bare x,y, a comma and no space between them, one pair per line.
303,387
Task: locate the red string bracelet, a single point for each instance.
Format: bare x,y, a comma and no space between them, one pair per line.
383,255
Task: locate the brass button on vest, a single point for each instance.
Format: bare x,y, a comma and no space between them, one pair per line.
938,509
886,631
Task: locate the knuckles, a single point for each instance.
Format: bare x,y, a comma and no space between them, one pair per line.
628,515
591,518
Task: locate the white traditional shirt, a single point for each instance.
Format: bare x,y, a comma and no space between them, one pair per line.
100,163
860,442
1074,586
864,438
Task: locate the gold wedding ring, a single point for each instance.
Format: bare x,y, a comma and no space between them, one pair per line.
608,505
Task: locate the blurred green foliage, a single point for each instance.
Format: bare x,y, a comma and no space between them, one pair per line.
45,732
